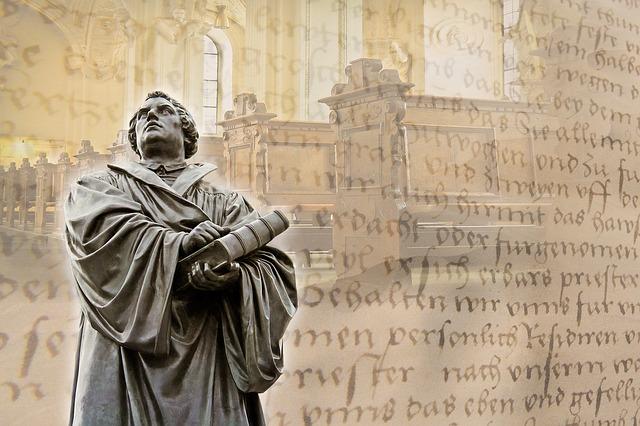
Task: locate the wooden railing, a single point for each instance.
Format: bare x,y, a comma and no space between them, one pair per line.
31,195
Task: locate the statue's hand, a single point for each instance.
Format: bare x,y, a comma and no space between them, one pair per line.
202,277
202,235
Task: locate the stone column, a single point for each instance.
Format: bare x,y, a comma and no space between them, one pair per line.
244,150
366,114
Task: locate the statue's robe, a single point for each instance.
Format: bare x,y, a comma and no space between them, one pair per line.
151,350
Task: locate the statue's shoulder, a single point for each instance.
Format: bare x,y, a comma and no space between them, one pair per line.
217,189
105,175
213,183
212,186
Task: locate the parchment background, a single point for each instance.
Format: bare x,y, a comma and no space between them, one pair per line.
508,172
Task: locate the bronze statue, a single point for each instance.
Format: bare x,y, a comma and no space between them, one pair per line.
157,347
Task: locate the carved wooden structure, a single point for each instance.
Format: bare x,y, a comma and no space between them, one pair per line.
120,149
288,165
400,156
88,159
466,150
366,115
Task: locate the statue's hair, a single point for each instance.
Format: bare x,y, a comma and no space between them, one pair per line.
188,126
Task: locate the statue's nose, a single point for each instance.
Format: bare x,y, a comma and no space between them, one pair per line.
152,114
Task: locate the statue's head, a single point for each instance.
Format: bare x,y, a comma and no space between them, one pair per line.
162,124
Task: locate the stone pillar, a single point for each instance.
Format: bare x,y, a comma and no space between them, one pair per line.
366,114
244,147
257,50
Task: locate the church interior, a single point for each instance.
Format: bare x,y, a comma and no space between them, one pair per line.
261,80
75,71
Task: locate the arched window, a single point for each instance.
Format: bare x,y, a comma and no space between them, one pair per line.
511,14
210,86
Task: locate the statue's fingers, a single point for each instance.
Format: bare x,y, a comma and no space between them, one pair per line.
192,276
220,278
209,229
194,282
205,229
225,267
210,274
200,240
222,230
198,273
230,277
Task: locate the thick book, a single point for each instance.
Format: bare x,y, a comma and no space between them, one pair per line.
238,243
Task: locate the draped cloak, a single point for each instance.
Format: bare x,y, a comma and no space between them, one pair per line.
152,351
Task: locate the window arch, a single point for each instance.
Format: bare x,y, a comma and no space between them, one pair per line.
217,73
210,73
510,17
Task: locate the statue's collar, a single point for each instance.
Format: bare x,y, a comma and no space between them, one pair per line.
192,174
169,167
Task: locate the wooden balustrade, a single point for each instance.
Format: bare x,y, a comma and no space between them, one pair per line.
31,197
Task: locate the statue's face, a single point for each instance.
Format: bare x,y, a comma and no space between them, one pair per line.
159,130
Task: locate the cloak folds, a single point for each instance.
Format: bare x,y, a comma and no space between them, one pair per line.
151,352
